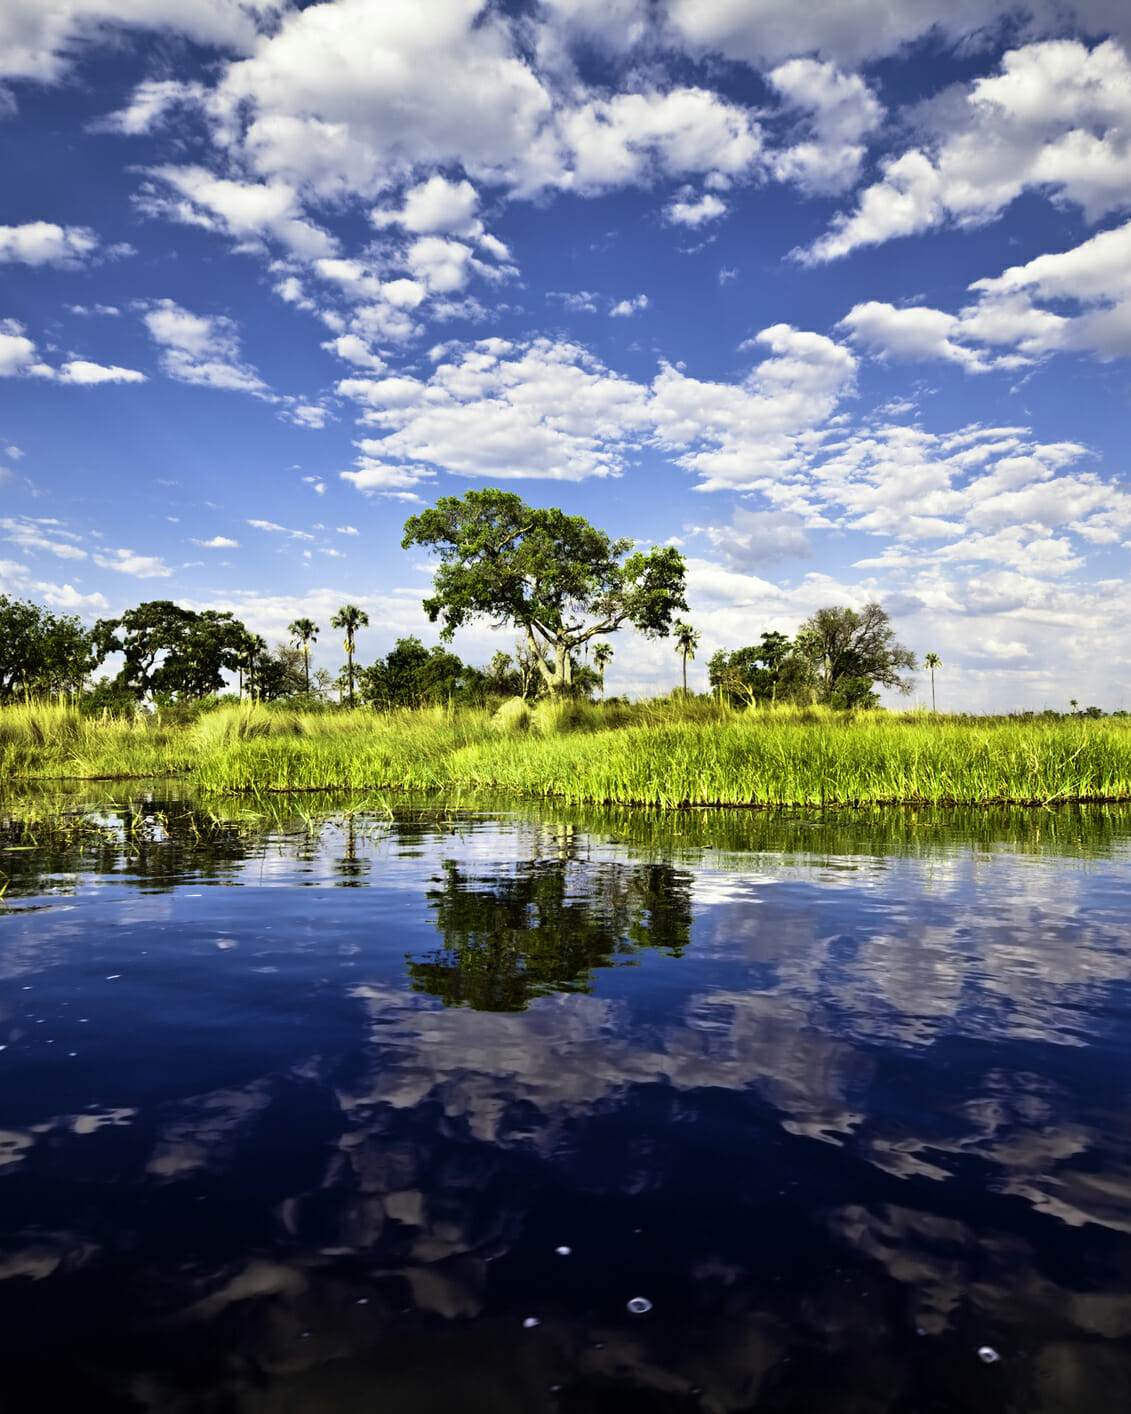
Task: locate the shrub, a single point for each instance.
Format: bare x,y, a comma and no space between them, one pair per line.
513,716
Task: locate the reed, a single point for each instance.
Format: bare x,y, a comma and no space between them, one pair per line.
667,753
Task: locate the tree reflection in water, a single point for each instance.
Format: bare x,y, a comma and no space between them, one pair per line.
546,926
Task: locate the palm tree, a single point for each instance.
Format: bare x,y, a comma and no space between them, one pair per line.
303,633
254,648
932,661
351,618
602,652
686,642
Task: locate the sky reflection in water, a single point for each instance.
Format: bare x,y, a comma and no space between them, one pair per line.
294,1115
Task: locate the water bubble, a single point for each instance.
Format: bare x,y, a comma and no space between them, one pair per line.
113,977
563,1251
640,1305
988,1355
530,1323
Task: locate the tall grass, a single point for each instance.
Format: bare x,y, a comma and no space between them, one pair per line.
666,753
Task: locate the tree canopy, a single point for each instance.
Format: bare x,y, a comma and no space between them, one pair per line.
174,651
41,651
850,652
556,577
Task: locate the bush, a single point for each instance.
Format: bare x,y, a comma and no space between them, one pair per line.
557,716
513,716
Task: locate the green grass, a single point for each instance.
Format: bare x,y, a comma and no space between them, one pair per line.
666,754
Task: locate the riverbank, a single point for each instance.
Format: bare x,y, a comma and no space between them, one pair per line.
665,754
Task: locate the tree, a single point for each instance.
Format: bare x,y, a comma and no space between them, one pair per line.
303,633
932,661
556,577
40,651
351,618
850,652
254,649
602,653
686,642
763,672
411,675
280,673
173,651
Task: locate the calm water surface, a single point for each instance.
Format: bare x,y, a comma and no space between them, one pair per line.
401,1114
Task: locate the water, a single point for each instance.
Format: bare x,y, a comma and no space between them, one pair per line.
562,1112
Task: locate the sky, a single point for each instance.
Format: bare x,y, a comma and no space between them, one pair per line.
836,298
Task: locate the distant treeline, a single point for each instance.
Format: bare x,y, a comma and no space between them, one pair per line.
176,655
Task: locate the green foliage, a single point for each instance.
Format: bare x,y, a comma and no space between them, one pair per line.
842,644
411,675
41,652
768,671
556,577
172,651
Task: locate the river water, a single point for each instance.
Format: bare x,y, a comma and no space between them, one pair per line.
467,1108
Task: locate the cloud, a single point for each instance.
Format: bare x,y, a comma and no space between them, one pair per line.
40,41
44,243
31,534
838,111
127,562
549,409
218,542
754,540
435,207
280,529
200,349
1055,118
149,106
625,308
850,32
1073,300
17,352
248,212
81,371
70,600
579,302
686,212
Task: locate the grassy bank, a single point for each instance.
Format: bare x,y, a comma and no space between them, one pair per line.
666,754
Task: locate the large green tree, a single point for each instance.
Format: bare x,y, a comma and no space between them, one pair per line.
41,652
557,578
767,671
852,652
170,651
411,675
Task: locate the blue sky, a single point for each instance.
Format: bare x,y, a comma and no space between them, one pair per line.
835,297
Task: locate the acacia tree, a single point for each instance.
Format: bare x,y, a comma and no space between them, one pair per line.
303,633
850,652
686,642
172,650
932,661
556,577
351,618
